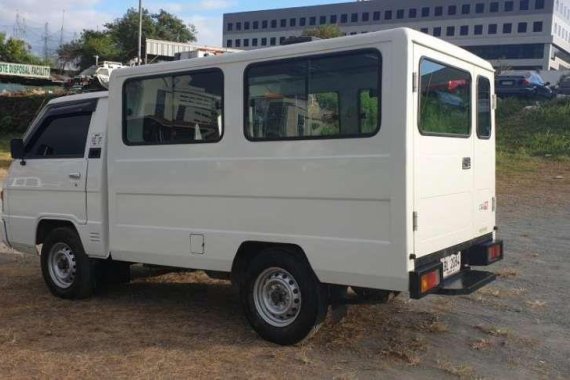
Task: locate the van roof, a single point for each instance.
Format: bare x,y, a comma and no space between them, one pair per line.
84,96
306,48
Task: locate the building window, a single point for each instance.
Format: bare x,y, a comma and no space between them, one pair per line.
264,41
229,43
281,40
283,23
437,31
238,25
343,18
438,11
521,28
483,108
274,23
246,42
322,20
412,13
365,16
246,25
302,21
522,51
425,12
256,25
450,31
254,42
272,41
437,116
537,26
292,22
424,30
478,30
309,106
509,6
539,4
333,19
494,7
264,24
523,5
388,15
238,42
400,14
230,26
354,17
376,16
479,8
312,20
451,10
507,28
465,9
464,30
492,29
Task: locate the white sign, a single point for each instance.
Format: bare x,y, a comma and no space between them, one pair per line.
23,70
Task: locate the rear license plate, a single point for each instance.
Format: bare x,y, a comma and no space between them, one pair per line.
507,82
451,264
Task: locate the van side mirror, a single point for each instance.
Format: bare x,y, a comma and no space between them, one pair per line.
17,148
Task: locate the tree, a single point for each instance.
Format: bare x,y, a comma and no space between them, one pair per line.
324,31
17,51
119,40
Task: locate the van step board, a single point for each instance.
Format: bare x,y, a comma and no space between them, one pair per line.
466,282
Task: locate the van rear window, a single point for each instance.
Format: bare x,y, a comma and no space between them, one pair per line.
173,109
445,100
326,96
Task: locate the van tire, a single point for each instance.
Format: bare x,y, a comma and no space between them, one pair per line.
67,270
292,282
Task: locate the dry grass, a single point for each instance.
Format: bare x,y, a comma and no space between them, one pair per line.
463,371
508,273
481,344
494,331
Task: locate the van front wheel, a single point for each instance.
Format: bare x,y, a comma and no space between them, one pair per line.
66,269
282,298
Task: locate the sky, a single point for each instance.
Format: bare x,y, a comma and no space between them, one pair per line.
206,15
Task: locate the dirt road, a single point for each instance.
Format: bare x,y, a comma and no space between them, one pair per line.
186,325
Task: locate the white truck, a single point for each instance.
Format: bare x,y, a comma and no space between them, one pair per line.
299,171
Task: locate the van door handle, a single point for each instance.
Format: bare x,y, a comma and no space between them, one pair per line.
466,164
75,175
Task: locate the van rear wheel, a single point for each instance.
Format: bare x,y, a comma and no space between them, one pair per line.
282,299
66,269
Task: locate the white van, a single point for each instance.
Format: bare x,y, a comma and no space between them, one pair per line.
366,162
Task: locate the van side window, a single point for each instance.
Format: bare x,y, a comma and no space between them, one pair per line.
327,96
483,108
62,136
445,100
174,109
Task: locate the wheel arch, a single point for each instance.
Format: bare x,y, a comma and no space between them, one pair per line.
248,250
46,225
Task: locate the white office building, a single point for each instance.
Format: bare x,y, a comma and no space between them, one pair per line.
514,34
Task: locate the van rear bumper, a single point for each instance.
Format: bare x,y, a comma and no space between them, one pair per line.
428,276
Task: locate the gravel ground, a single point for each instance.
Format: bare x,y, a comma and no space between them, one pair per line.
182,325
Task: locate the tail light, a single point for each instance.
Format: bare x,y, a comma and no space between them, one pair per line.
525,82
429,280
486,253
494,253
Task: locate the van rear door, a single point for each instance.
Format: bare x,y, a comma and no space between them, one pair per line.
443,152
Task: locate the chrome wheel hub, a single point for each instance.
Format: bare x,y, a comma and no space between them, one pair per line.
62,265
277,297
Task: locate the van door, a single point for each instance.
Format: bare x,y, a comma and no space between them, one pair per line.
484,154
443,152
50,181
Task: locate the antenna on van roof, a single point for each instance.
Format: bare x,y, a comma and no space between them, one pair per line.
299,39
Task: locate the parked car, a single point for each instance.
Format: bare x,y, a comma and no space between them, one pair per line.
563,87
526,85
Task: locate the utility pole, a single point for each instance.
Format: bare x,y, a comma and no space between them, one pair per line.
140,34
45,38
61,31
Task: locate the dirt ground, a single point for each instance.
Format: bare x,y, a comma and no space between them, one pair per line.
186,325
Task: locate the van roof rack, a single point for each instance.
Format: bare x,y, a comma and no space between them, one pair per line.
299,39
